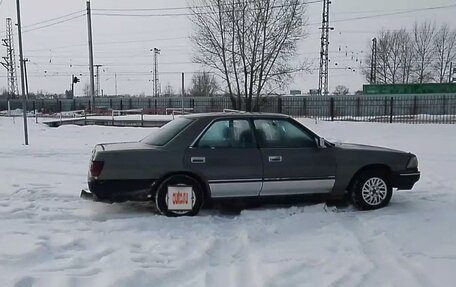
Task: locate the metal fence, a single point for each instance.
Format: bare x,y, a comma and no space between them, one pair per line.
439,108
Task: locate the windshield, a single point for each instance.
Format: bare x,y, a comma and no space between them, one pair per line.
166,133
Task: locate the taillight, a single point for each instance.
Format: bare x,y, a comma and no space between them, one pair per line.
96,167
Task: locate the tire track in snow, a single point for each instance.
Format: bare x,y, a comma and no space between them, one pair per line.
390,266
224,258
248,272
239,267
186,270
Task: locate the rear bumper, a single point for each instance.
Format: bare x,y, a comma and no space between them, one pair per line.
405,180
120,190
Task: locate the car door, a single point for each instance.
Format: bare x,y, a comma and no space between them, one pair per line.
293,162
226,154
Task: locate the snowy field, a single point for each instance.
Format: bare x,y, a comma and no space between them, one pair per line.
50,237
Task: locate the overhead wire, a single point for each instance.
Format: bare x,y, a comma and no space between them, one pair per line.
66,19
109,43
278,6
51,20
53,24
181,8
395,13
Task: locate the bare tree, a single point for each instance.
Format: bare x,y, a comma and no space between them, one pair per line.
422,55
86,89
251,44
408,56
382,57
395,51
389,56
4,93
168,91
395,57
203,85
445,52
341,90
423,36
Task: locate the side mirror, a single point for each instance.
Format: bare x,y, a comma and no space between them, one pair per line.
321,143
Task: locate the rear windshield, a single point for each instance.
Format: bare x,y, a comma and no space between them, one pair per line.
167,132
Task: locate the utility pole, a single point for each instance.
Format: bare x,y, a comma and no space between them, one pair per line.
10,61
450,79
98,79
156,89
323,82
92,84
21,60
26,77
183,91
115,76
72,86
373,75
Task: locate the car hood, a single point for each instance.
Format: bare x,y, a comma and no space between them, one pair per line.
349,146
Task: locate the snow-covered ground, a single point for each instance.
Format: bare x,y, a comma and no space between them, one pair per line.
50,237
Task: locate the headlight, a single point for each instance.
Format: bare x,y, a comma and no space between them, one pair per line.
413,163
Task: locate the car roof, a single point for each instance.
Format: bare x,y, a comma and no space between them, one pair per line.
235,114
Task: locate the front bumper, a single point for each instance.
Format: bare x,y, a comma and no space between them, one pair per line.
406,179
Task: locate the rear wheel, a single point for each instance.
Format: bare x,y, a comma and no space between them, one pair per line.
163,197
371,190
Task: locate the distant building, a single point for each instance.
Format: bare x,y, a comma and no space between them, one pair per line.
403,89
295,92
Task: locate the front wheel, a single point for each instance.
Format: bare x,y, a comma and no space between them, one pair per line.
371,191
179,195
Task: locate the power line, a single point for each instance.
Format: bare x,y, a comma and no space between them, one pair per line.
116,64
278,6
53,19
390,14
187,13
145,74
372,11
110,43
141,41
178,8
56,23
399,12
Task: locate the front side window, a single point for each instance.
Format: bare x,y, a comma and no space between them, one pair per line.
167,132
228,134
280,133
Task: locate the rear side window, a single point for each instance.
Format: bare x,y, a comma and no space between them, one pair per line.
280,133
167,132
228,134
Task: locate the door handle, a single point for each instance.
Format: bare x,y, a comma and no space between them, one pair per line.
275,158
198,160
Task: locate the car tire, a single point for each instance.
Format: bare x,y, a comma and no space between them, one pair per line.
161,195
371,190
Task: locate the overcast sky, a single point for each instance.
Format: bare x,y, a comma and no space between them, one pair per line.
122,43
